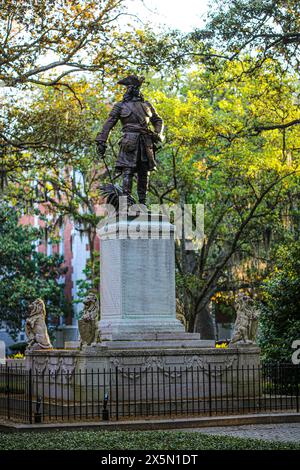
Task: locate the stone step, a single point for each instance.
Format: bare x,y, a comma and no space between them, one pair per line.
155,336
154,344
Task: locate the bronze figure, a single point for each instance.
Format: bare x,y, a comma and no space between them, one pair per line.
138,143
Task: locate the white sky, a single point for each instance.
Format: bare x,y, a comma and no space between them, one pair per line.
180,14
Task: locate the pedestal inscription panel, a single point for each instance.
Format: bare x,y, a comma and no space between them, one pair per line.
137,279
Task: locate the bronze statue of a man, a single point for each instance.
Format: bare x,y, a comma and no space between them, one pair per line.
139,142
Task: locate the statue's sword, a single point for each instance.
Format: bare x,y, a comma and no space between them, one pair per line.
111,179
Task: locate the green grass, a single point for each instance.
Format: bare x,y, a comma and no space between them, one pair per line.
123,440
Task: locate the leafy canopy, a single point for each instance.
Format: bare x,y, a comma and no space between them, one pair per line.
280,316
25,274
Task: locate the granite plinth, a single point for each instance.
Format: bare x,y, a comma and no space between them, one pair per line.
166,344
148,341
137,277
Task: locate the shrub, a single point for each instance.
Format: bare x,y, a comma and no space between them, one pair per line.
280,313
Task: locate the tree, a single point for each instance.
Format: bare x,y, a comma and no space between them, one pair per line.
38,37
217,155
46,42
51,125
43,44
264,28
280,315
63,190
26,274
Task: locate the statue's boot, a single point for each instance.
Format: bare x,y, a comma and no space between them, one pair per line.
142,186
128,174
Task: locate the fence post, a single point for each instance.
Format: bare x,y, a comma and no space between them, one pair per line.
8,391
209,390
117,393
30,395
297,390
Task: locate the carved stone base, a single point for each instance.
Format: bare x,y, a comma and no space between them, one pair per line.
84,374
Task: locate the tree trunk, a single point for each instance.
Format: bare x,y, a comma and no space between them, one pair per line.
203,322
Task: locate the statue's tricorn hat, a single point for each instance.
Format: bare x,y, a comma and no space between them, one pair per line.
131,80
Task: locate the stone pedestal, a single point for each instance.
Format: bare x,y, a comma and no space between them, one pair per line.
137,288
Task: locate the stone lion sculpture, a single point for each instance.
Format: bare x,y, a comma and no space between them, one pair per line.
88,323
246,324
35,327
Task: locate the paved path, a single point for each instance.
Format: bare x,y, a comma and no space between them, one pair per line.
270,432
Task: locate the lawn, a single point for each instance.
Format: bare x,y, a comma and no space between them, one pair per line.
123,440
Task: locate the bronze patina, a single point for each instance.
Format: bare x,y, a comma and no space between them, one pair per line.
139,142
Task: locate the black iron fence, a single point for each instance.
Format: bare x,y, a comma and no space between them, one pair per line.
37,396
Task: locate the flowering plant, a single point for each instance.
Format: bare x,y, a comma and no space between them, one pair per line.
17,356
222,345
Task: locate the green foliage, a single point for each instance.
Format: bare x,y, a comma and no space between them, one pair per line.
25,274
18,347
263,28
87,35
224,149
280,316
139,440
47,44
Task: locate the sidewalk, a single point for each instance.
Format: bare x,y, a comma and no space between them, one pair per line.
285,432
213,423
